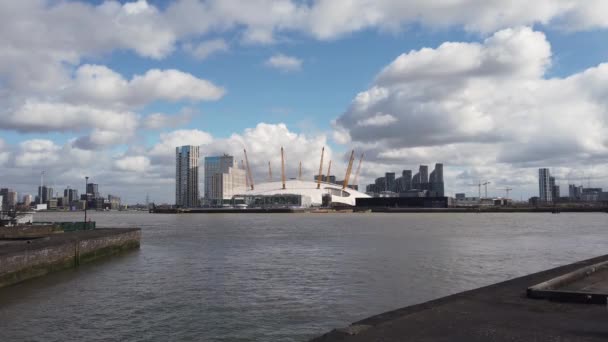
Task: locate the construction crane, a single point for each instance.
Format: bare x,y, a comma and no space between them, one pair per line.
249,175
246,174
486,188
269,173
328,171
300,172
349,169
320,175
356,180
478,185
282,167
507,190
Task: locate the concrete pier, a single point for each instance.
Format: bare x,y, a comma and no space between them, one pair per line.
500,312
28,256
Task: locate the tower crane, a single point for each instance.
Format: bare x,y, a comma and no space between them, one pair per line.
478,185
486,188
507,190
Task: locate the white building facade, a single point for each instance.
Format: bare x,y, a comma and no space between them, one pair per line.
186,176
223,179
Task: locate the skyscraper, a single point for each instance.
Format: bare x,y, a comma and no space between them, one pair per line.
27,200
407,180
93,190
544,185
45,194
389,178
186,176
436,181
70,196
424,174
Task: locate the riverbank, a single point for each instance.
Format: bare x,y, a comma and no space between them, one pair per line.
556,210
500,312
39,250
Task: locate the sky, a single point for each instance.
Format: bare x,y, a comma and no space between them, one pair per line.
492,89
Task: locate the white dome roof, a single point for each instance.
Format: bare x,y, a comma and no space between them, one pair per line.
307,188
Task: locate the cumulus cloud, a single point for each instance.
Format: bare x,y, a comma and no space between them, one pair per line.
164,150
481,104
284,63
205,49
133,163
99,84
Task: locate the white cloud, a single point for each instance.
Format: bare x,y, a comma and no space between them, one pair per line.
48,116
163,121
481,105
379,119
165,149
207,48
137,164
99,84
284,63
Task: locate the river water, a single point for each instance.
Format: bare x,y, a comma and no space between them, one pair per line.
283,277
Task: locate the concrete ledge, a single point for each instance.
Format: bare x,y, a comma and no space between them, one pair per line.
34,258
499,312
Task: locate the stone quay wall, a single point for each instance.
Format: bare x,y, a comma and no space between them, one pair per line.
34,258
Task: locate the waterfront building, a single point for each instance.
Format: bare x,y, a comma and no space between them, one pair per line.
227,184
113,202
27,200
436,186
186,176
591,194
416,184
45,193
223,179
423,171
544,185
575,192
406,179
298,193
389,178
461,196
69,195
9,198
93,190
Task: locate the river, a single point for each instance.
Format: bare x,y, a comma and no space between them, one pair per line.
283,277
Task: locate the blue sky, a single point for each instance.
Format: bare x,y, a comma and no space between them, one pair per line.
340,51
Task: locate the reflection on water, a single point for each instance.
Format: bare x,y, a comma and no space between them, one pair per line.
283,277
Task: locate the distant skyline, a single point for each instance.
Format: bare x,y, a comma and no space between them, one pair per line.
494,90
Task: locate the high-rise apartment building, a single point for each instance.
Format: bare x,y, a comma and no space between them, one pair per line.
389,178
423,171
544,185
223,179
186,176
93,190
436,186
70,195
27,200
9,198
406,181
